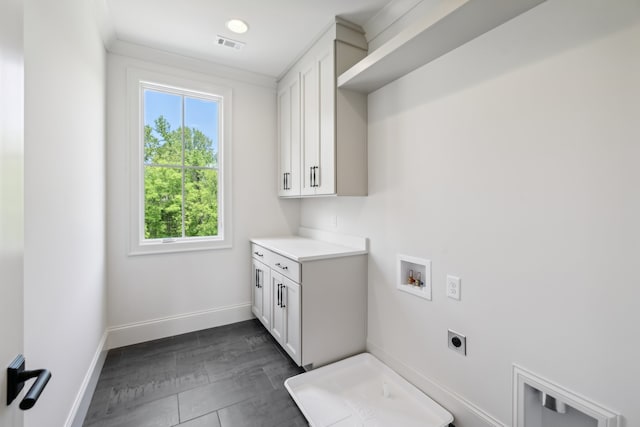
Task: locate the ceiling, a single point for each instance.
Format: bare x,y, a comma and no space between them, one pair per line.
279,30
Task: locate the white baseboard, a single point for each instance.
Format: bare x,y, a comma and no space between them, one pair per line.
138,332
465,413
83,398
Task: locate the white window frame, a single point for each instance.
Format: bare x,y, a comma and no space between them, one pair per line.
137,81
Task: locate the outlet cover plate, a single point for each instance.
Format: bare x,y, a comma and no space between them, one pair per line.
457,342
453,287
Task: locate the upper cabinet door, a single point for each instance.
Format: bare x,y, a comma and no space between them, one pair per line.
325,180
309,85
318,125
289,137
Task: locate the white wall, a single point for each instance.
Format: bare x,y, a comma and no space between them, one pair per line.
65,276
11,197
161,295
511,162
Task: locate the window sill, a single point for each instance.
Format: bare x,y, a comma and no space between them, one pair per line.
177,246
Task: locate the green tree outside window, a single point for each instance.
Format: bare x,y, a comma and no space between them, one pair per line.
180,175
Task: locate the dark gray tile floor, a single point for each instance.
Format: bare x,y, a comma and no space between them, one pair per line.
230,376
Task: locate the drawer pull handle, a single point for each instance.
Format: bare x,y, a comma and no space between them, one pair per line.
258,253
284,267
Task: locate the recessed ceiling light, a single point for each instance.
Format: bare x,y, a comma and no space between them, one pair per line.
237,26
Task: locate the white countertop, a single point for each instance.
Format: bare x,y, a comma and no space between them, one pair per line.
308,249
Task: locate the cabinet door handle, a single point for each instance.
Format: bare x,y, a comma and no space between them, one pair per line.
311,176
279,294
260,277
256,277
314,176
285,181
288,181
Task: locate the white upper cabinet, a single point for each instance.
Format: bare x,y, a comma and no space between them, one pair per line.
322,129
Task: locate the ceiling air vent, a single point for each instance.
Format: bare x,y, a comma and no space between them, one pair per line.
226,42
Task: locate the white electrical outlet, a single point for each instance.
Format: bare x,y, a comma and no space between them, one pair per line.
453,287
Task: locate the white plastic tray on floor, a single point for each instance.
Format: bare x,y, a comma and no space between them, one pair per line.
361,391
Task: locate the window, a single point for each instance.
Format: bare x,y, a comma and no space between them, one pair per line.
179,165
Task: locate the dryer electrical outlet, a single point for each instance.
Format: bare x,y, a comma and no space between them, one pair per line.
457,342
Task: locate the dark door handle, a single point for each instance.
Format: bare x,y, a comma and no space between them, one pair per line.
17,376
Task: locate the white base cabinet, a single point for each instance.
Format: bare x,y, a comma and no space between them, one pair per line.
315,308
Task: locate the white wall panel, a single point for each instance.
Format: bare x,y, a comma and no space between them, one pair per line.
65,263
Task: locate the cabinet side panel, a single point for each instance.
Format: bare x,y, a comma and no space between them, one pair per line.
351,146
351,129
334,309
346,56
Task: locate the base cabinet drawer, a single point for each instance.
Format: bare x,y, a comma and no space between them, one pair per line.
285,266
261,254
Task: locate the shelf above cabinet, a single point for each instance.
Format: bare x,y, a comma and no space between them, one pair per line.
450,25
